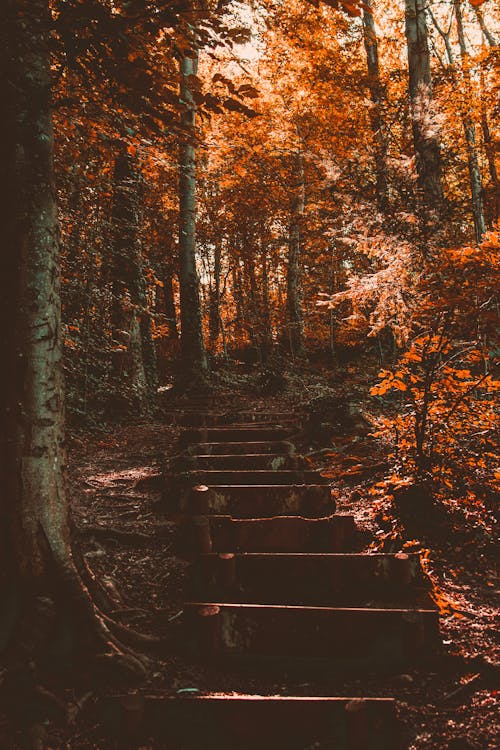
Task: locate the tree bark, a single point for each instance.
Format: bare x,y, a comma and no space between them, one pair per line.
294,289
376,112
215,297
425,137
130,308
476,184
489,146
33,506
169,302
464,92
267,336
194,360
492,42
36,562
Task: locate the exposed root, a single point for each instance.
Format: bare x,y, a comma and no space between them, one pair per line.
135,538
133,638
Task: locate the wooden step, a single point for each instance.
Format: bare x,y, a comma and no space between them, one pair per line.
312,579
257,501
248,461
249,433
276,417
193,418
333,638
212,477
221,533
248,722
217,448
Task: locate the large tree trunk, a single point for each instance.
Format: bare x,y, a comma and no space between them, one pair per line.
376,114
36,563
194,360
294,270
425,137
33,507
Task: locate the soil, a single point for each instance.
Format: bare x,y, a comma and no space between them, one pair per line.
115,480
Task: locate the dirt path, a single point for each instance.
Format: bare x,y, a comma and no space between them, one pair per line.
116,486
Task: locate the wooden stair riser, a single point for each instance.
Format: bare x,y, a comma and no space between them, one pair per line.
258,501
249,433
249,462
313,579
344,639
237,477
218,448
336,533
229,722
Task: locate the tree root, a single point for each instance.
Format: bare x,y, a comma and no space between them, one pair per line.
135,538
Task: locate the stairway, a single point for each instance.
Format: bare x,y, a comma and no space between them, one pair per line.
275,587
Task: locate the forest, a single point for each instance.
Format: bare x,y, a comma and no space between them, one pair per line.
249,347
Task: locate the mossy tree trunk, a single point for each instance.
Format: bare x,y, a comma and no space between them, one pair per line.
40,586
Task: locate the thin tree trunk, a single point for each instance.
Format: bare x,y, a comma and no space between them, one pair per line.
489,146
294,289
492,42
130,306
476,184
194,360
254,328
214,303
267,338
425,137
333,284
463,90
239,302
376,113
169,302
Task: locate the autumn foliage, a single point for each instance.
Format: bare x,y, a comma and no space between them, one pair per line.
314,233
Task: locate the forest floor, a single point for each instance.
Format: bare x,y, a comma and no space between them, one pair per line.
131,547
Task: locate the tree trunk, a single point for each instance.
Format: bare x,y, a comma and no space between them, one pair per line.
36,563
214,303
130,307
33,505
241,321
476,184
376,113
169,302
489,148
425,137
489,145
254,327
492,42
267,336
294,289
194,360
